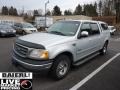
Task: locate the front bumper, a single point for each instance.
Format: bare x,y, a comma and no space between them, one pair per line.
30,31
31,65
7,34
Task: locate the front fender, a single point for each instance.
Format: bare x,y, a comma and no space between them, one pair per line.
59,49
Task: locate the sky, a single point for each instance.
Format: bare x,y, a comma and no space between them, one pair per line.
40,4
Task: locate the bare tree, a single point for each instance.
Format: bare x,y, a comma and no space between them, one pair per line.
40,11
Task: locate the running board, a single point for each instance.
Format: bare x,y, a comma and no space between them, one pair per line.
81,61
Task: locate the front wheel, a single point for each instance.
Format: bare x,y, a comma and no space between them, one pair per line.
23,33
60,67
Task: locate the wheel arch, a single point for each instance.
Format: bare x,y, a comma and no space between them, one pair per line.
107,41
69,54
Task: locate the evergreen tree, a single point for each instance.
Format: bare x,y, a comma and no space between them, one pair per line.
36,13
56,11
48,13
67,12
11,11
15,13
78,10
95,5
5,10
90,10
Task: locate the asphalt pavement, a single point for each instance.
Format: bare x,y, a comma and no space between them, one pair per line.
107,79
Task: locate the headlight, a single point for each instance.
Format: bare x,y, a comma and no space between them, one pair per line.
14,31
2,31
39,54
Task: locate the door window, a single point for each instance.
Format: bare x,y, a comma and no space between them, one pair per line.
86,27
94,29
104,26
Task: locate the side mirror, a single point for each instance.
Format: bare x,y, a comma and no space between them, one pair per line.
84,34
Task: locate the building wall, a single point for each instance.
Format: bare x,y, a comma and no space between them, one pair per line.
74,17
11,18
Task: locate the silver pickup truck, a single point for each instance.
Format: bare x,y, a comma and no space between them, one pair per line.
65,44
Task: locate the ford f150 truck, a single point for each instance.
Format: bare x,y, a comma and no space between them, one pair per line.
65,44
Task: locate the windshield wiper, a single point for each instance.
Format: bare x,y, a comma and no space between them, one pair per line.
58,33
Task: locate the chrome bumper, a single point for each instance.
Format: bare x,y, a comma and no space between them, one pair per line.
33,67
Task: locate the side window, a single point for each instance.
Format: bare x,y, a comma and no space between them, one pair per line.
94,29
104,26
16,25
86,27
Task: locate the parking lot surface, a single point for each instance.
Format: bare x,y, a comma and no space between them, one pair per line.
107,79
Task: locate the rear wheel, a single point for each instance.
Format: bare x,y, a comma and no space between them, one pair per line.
60,67
103,51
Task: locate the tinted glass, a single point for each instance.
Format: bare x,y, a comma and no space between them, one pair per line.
18,25
104,26
94,29
5,27
27,25
86,27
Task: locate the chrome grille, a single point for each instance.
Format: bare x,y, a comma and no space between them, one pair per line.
21,50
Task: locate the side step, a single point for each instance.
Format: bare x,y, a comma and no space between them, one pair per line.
81,61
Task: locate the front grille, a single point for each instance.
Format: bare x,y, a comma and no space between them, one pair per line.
21,50
33,31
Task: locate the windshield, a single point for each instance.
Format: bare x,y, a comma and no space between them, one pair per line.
27,25
66,28
5,27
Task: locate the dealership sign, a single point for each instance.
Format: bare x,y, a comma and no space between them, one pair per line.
16,81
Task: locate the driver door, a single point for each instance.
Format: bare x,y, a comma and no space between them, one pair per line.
83,44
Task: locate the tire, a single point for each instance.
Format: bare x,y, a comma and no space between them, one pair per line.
103,51
112,33
14,35
23,33
60,67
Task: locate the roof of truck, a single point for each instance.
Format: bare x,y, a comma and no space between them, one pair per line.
84,21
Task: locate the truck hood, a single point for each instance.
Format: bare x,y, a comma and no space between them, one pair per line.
45,39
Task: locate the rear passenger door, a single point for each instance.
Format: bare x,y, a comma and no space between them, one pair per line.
95,37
